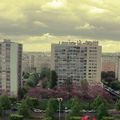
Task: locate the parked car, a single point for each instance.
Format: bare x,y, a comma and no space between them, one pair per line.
37,110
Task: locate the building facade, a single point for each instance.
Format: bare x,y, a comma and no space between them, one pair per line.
108,62
10,67
35,61
77,61
111,62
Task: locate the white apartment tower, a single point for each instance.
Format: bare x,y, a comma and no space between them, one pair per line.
77,61
10,67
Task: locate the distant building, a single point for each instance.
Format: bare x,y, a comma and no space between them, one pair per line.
10,67
35,61
111,62
77,61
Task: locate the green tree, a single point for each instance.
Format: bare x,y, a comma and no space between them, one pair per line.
5,102
32,102
53,79
51,108
118,105
1,111
22,92
97,102
76,107
68,85
45,72
24,109
26,75
45,77
15,117
102,111
33,80
84,87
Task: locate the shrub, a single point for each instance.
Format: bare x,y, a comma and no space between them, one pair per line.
16,117
75,118
108,118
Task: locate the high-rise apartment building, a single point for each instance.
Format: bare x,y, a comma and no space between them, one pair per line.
35,61
111,62
10,67
77,61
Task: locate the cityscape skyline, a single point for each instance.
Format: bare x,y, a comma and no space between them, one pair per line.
37,24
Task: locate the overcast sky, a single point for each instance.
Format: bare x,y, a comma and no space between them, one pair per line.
38,23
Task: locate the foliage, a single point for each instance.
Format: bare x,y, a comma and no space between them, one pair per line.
51,108
16,117
32,102
24,108
115,85
75,118
53,79
1,110
108,118
102,111
84,86
47,118
12,99
45,72
97,102
33,80
43,104
118,105
75,108
68,85
5,102
26,75
22,92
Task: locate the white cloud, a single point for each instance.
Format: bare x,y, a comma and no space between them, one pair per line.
39,23
86,26
96,10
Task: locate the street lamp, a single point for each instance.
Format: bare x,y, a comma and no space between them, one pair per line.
65,112
59,100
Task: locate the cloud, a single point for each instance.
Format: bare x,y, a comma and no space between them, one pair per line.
30,20
85,27
39,23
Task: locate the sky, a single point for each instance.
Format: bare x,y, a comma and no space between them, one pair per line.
38,23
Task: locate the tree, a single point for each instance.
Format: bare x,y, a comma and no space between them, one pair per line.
5,102
97,102
102,111
32,102
24,109
118,105
45,72
1,111
75,108
33,80
22,92
84,87
26,75
53,79
51,108
68,85
16,117
45,77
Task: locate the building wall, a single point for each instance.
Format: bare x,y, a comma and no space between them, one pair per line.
77,61
35,61
10,67
108,63
111,62
14,69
